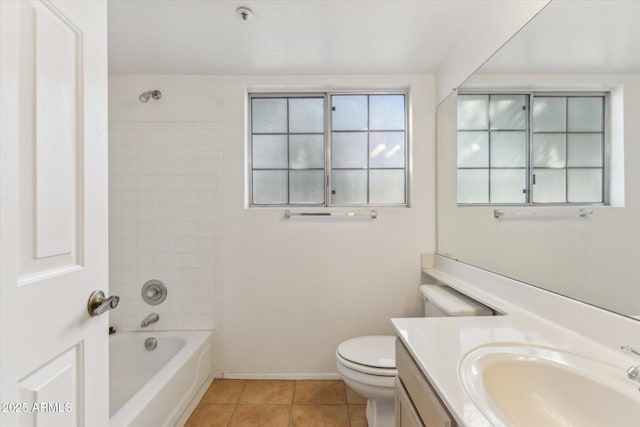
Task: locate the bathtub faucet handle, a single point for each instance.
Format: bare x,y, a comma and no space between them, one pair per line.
98,303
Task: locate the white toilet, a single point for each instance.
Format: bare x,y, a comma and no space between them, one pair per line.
368,364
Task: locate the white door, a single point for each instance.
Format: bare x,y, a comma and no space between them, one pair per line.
53,213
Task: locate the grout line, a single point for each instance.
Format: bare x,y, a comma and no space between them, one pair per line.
232,414
293,395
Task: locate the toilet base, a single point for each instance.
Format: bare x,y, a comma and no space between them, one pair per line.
380,413
379,392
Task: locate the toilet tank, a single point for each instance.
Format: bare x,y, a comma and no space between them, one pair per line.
443,301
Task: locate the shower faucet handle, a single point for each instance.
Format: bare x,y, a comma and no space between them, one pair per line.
99,304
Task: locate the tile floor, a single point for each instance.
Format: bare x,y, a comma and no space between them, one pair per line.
275,403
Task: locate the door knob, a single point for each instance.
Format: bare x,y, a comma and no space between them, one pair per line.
98,303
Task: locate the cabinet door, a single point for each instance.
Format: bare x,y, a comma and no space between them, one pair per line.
425,399
406,415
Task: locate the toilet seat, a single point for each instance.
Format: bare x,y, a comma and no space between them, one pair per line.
373,355
379,372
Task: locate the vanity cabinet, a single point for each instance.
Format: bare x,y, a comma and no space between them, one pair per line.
406,415
417,403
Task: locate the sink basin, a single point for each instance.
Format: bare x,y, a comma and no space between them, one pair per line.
529,386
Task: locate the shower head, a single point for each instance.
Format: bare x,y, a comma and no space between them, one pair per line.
155,94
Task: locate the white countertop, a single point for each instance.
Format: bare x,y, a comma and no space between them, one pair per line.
438,344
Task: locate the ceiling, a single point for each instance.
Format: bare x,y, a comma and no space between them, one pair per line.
292,36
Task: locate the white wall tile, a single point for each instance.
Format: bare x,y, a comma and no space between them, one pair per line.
191,322
162,203
190,291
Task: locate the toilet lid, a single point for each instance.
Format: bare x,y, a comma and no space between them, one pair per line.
376,351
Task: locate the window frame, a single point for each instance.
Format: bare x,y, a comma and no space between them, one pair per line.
529,178
328,146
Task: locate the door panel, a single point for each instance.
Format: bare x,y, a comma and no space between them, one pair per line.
51,143
52,390
57,142
53,213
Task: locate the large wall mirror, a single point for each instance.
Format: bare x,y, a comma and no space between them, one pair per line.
571,47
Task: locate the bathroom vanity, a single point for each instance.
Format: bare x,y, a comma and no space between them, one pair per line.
544,360
416,400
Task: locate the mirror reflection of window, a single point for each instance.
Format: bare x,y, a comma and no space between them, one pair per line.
531,148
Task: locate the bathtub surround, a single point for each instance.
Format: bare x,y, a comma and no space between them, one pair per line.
284,293
163,179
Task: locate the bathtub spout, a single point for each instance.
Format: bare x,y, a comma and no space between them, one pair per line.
151,318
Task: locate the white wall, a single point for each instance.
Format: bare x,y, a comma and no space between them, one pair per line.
291,290
594,259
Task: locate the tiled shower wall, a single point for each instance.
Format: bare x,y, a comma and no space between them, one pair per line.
163,195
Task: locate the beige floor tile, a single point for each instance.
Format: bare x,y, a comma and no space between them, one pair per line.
268,392
320,416
319,392
261,415
318,403
357,416
210,416
354,398
224,391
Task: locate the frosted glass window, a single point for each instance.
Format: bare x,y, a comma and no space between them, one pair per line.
386,186
473,149
585,114
269,115
549,150
306,151
584,149
549,114
508,185
349,186
584,185
269,152
549,186
386,112
350,112
386,149
473,112
287,140
302,155
306,187
508,112
349,149
270,187
473,185
508,149
306,115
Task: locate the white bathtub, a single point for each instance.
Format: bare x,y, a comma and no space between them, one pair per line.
156,388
